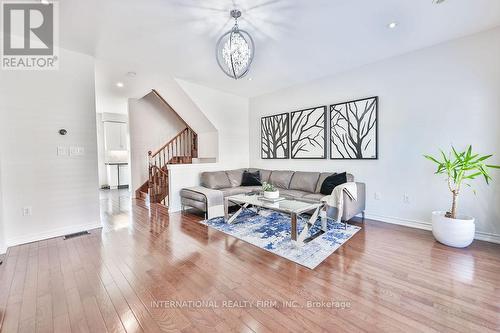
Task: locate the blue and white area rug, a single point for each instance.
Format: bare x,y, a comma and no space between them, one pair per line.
270,231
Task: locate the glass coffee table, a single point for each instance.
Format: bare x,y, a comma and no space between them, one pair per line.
293,207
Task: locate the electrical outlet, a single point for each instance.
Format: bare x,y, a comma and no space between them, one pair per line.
377,196
27,211
406,198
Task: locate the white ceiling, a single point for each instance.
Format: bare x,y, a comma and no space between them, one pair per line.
296,41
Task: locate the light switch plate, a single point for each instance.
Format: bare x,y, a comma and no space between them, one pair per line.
62,151
27,211
406,198
76,151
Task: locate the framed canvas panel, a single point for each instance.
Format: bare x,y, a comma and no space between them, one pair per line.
354,130
274,136
308,133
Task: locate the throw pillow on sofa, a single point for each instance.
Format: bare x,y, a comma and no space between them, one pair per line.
251,178
333,181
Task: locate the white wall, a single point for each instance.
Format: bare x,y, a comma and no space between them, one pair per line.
2,229
101,167
62,190
443,95
151,125
229,114
111,98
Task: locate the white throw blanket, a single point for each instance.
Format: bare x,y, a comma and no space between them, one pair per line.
336,199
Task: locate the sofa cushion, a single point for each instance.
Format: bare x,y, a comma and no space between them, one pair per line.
304,181
293,193
236,190
323,175
281,179
251,179
235,176
215,180
314,196
264,174
254,188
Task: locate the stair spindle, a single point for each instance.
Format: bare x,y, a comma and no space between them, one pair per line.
183,137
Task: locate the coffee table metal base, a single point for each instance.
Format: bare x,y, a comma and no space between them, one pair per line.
299,238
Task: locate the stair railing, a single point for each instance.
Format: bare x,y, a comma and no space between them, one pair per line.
158,185
181,149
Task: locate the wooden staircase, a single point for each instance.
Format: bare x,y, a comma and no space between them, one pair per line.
181,149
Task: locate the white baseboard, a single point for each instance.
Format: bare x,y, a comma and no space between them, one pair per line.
400,221
51,234
425,225
488,237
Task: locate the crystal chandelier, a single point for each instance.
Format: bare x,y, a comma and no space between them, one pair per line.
235,50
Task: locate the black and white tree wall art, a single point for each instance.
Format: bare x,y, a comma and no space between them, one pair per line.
308,133
354,129
274,131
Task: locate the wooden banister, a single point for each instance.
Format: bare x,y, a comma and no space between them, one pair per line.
156,169
181,149
166,144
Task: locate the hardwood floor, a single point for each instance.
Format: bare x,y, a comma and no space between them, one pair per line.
125,277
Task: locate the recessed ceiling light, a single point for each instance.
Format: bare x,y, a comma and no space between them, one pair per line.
250,79
119,84
45,2
392,25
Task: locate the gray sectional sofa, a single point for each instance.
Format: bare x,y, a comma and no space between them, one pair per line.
296,184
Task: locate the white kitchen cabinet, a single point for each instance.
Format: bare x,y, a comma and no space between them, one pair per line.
118,175
124,175
115,136
112,171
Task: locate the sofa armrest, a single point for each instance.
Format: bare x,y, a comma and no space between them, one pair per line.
354,207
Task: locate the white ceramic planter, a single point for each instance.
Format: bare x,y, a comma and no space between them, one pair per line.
272,195
457,232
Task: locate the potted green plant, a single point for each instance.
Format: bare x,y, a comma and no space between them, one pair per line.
451,228
270,191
